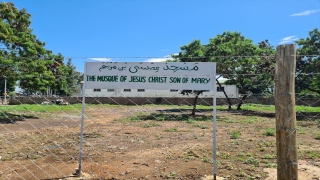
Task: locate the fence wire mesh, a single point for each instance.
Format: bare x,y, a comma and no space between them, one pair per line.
156,137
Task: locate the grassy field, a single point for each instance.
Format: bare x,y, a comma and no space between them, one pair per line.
73,107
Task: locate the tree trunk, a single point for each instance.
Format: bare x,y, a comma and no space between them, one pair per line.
224,92
195,104
241,102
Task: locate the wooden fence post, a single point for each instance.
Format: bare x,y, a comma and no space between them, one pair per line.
287,166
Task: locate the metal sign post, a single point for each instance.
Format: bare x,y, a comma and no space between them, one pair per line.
214,133
83,93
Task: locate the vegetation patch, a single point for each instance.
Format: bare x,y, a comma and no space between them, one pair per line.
235,134
151,124
270,132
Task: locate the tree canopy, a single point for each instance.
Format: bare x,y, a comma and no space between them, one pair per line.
247,65
308,64
23,57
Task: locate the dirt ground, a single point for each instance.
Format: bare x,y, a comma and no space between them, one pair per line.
124,142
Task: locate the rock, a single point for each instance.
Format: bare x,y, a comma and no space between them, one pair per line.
122,148
112,147
317,164
211,178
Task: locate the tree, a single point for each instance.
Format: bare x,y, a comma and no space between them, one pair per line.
7,72
246,65
23,57
69,78
308,64
75,77
195,52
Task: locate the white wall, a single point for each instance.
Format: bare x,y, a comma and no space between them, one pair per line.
231,91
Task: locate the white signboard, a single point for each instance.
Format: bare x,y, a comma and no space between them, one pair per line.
150,75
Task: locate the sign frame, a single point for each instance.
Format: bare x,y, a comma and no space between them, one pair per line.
150,75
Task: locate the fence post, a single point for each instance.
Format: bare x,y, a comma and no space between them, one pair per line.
287,166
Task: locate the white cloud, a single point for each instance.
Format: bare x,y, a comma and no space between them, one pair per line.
101,59
288,39
156,60
168,57
306,13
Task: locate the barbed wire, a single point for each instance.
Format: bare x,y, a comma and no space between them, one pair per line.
170,57
223,74
159,57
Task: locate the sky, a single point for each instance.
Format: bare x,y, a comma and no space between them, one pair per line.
152,30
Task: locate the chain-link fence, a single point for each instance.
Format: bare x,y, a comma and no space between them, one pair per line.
166,134
151,137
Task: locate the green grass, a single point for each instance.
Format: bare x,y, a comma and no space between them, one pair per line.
271,108
311,154
307,109
235,135
267,144
224,155
301,130
201,126
249,120
171,130
37,108
258,107
205,159
151,124
55,108
269,156
252,160
270,132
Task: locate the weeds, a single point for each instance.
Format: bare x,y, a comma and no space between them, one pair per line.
268,156
201,126
267,144
312,154
301,130
189,155
205,159
158,136
152,124
270,132
252,160
171,130
235,135
224,155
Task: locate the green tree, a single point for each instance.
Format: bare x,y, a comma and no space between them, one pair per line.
7,71
249,66
308,64
195,52
23,57
69,79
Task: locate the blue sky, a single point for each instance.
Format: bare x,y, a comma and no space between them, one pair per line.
116,30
